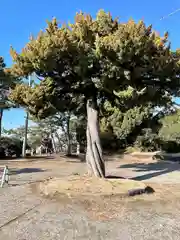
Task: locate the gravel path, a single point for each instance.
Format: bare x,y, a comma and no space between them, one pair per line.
51,220
26,216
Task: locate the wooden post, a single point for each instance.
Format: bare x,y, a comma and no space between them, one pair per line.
5,176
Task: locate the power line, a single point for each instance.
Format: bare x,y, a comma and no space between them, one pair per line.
170,14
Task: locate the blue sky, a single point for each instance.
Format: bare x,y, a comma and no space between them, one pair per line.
20,18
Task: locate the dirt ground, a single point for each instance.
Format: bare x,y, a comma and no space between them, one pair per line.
25,214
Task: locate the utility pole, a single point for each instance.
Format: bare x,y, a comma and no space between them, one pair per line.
26,129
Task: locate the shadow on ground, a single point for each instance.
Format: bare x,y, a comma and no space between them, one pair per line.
29,158
152,169
40,157
114,177
74,158
82,157
25,170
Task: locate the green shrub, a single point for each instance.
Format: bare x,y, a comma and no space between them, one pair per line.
110,142
148,141
10,147
170,146
152,142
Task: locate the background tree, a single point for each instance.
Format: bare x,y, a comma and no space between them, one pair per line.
94,60
7,81
15,132
59,122
170,130
78,129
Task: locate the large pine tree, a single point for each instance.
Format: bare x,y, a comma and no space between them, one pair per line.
94,60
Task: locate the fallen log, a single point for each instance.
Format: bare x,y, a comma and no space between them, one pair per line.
139,191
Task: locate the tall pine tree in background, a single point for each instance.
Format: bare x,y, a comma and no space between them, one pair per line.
7,82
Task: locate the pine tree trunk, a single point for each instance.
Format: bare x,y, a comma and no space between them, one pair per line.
77,149
68,137
59,142
25,136
53,143
1,115
94,159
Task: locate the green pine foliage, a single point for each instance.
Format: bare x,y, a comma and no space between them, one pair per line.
128,63
126,67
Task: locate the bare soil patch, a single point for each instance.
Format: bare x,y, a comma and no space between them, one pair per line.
104,199
83,185
100,198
